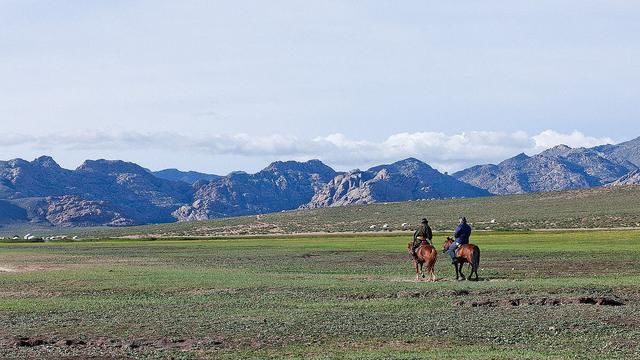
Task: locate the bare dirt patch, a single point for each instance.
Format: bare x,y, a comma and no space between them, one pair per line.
582,300
26,293
104,342
226,291
403,294
28,268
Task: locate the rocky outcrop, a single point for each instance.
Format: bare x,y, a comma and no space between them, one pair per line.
346,189
632,178
280,186
626,152
409,179
129,182
40,177
598,169
559,168
99,192
75,211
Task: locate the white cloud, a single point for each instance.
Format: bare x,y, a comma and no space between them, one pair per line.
447,152
550,138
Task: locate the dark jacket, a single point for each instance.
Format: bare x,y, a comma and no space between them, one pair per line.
423,230
462,234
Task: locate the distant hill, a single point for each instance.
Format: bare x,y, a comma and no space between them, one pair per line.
189,177
409,179
99,192
280,186
556,169
628,151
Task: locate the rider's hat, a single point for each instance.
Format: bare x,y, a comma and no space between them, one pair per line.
463,219
425,221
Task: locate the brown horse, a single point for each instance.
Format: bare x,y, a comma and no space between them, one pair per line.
468,253
425,254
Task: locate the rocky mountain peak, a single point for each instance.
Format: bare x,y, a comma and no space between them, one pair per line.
311,166
515,160
632,142
555,169
282,185
17,163
408,179
111,166
628,151
46,162
560,151
406,167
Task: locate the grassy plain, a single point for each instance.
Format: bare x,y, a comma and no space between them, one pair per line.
541,295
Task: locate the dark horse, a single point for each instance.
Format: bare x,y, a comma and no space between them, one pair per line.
425,254
468,253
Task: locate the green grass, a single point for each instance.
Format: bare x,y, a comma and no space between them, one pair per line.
313,297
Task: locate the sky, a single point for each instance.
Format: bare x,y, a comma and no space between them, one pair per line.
217,86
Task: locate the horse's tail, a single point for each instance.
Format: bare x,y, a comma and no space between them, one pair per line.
475,259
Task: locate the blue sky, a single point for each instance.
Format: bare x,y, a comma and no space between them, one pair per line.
218,86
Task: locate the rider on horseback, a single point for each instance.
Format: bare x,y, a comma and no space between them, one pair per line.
422,236
462,233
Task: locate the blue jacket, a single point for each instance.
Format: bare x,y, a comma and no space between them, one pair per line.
463,231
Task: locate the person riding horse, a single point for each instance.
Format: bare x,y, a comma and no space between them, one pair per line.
422,235
461,236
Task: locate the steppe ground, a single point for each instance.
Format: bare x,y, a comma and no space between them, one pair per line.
541,295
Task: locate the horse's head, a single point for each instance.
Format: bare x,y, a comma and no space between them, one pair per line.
447,243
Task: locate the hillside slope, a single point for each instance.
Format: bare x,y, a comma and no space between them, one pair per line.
555,210
557,169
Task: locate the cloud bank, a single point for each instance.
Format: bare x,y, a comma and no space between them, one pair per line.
447,152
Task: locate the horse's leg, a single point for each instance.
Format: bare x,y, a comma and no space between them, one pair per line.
415,262
475,269
428,265
422,270
433,274
462,277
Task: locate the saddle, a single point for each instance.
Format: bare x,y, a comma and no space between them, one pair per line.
423,240
458,249
420,240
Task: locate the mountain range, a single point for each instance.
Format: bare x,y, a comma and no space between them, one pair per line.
556,169
405,180
119,193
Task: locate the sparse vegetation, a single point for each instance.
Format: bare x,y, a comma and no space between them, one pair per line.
541,295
